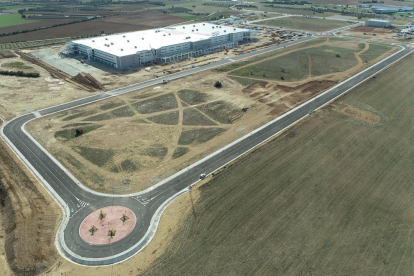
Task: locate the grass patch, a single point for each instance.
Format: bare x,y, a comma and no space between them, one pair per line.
75,125
73,161
129,166
193,117
155,152
180,151
187,16
79,114
125,111
295,66
19,65
170,118
243,81
192,96
98,157
99,117
157,104
374,51
199,136
13,19
221,111
111,105
68,134
305,24
141,121
325,189
232,66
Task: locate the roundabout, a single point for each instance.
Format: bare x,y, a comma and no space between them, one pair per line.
107,225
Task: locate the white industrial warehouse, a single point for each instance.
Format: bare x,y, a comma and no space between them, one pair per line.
163,45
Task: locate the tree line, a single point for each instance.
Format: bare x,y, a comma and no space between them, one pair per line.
19,74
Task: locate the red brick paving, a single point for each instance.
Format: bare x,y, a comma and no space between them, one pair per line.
112,221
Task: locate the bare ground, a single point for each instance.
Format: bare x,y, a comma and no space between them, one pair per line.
21,95
29,218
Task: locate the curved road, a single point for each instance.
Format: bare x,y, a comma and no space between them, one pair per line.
78,201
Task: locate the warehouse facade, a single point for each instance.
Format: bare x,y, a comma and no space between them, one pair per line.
382,23
169,44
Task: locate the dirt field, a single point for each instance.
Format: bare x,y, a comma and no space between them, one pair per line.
33,25
304,23
136,140
28,219
22,95
380,34
331,196
135,21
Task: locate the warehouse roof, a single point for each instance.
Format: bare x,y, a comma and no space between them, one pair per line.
131,43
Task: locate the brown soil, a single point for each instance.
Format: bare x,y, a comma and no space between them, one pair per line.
88,81
29,219
359,114
129,22
311,87
254,86
22,95
366,29
83,80
34,25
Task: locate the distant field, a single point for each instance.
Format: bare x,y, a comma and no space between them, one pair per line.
187,16
264,7
305,24
134,21
33,24
331,196
12,19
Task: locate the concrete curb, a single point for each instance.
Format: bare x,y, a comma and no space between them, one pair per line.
139,246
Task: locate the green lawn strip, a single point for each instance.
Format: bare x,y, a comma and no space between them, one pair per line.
326,190
7,20
304,23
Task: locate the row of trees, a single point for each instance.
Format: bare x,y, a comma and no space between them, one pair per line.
287,2
19,74
344,12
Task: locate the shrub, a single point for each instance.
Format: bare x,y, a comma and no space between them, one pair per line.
217,84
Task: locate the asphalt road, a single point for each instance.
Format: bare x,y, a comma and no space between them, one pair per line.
81,202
